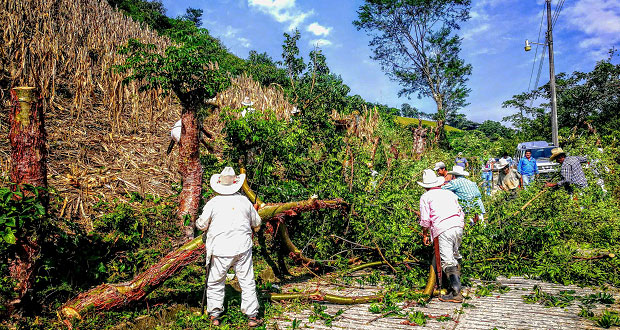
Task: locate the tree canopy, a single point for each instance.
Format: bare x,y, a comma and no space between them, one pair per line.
416,46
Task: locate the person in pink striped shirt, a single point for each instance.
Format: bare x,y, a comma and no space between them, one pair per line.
441,216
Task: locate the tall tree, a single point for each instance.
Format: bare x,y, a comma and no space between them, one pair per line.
192,72
294,65
193,15
415,44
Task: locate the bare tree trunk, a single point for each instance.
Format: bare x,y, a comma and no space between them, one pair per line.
28,156
108,296
190,170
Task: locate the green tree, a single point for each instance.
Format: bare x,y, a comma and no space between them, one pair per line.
194,71
586,101
193,15
414,42
494,129
293,64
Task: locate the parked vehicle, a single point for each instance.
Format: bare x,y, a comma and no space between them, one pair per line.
541,151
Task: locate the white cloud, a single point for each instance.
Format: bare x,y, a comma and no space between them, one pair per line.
469,34
245,42
599,20
231,34
318,29
283,11
320,43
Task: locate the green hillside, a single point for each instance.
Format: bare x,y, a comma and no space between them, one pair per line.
406,121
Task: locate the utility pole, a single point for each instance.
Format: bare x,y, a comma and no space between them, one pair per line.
554,107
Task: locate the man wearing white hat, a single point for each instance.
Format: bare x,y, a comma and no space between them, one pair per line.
229,219
509,179
442,216
467,191
247,106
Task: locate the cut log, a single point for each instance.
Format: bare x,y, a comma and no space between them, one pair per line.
109,296
28,167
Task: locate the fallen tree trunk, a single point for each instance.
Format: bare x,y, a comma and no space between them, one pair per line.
317,295
109,296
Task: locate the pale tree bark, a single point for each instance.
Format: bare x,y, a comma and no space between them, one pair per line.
28,166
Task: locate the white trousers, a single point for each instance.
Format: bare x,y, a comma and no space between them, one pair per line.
449,243
217,281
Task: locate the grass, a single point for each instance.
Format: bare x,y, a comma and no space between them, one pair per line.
407,121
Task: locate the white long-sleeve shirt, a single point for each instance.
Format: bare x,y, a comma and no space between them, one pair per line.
229,219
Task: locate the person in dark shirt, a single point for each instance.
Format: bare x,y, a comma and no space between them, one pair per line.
571,171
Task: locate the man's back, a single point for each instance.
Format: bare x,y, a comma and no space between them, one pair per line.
572,173
465,189
230,219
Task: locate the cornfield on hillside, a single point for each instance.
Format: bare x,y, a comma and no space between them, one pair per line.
105,138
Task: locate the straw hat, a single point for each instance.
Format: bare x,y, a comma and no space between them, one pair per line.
555,152
227,182
503,163
431,180
439,165
458,170
247,102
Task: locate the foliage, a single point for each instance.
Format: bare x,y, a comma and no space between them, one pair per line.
20,209
191,70
21,214
495,130
584,100
415,44
543,238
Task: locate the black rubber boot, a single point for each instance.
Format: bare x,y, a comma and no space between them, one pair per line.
454,295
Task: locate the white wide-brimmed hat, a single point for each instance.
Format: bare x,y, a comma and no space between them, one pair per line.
439,165
431,180
247,102
227,182
458,170
503,163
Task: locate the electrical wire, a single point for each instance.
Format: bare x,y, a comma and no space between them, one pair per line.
556,14
529,85
540,66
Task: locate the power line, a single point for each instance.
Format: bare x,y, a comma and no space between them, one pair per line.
556,14
529,85
540,66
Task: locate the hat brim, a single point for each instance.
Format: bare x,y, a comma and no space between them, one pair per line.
226,189
464,173
557,155
438,167
439,182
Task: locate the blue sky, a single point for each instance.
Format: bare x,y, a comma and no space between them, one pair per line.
493,41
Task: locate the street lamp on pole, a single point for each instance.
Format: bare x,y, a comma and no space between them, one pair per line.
549,43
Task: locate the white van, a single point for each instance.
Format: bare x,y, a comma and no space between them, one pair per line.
541,151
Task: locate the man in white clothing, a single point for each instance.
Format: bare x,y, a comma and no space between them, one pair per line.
229,219
442,216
